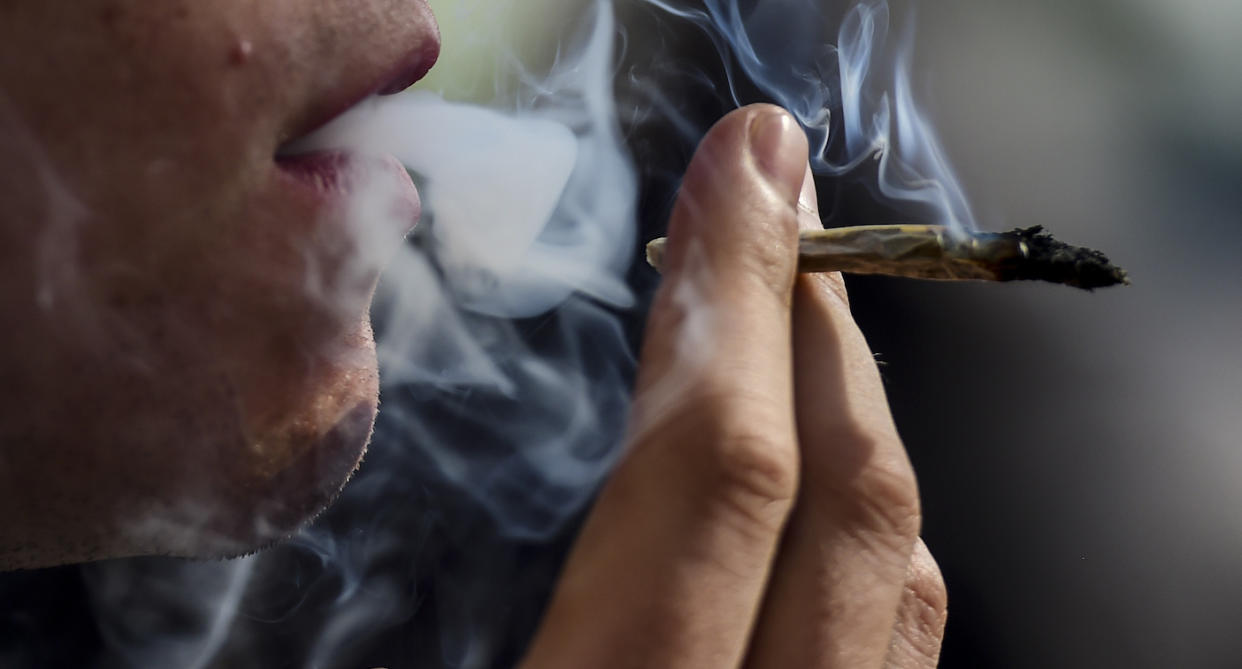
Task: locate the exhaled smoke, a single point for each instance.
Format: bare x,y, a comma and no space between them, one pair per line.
531,216
504,352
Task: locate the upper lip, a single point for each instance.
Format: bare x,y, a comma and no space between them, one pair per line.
407,70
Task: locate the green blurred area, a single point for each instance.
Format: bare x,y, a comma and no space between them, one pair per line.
482,38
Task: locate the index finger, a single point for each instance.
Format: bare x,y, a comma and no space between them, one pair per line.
679,546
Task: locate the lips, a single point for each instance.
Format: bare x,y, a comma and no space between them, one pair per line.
405,70
413,67
335,178
331,176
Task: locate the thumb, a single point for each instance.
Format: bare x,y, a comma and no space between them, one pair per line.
731,218
729,265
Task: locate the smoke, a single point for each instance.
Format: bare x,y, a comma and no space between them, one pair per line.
849,91
504,328
197,605
532,216
56,226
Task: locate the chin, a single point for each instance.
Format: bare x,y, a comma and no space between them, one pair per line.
295,471
290,446
189,479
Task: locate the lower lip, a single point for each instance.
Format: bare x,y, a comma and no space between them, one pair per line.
342,179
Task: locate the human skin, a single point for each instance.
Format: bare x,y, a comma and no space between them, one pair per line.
188,369
187,365
766,514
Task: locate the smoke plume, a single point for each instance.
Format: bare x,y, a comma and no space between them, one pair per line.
506,328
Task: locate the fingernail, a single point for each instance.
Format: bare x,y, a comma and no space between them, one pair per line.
776,141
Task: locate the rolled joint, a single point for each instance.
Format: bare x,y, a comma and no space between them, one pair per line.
933,252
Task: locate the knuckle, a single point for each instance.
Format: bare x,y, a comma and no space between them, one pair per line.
888,500
881,495
757,467
751,487
748,463
735,444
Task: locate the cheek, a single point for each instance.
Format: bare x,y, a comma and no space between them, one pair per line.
250,427
213,321
246,340
287,327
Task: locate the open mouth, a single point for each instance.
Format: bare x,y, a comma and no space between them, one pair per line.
412,67
331,170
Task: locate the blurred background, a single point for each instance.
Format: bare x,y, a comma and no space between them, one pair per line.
1079,454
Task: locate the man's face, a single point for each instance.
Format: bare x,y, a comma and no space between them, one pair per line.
186,361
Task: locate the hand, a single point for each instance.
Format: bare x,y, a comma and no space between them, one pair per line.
766,514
